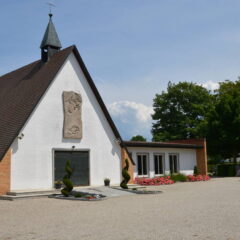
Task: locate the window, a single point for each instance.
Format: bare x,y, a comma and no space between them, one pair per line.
142,160
159,164
174,163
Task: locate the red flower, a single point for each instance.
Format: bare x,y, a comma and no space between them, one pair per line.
192,178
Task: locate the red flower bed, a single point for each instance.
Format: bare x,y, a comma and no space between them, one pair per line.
192,178
154,181
167,180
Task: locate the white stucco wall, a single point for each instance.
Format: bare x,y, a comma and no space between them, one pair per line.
32,160
187,159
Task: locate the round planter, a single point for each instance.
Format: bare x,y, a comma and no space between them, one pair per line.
78,199
89,197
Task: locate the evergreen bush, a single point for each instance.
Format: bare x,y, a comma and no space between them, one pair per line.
126,176
195,171
67,180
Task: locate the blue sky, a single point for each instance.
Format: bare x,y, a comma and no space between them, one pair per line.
132,48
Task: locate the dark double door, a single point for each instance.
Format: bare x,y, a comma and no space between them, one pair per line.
79,162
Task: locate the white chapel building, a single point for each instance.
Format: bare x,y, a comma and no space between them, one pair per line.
51,112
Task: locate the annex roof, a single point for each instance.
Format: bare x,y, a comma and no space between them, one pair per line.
160,145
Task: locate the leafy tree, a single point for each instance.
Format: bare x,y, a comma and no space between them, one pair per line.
138,138
224,121
180,112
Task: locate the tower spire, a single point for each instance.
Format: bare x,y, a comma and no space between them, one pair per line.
50,43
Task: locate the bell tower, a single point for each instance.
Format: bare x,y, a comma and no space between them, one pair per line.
50,43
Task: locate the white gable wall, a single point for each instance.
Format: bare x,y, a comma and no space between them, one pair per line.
187,158
32,160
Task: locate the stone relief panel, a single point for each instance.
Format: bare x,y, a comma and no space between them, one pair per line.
72,105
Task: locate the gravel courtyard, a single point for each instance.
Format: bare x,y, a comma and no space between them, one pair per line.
199,210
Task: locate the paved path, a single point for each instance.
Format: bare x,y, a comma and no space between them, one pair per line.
184,211
107,191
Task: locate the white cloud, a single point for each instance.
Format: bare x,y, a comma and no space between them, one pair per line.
211,85
132,118
143,112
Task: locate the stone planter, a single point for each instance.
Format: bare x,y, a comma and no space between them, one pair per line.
107,182
58,185
81,196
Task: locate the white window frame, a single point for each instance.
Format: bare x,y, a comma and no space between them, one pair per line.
163,163
178,162
147,163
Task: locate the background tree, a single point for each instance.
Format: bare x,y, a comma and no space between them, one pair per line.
180,112
138,138
224,121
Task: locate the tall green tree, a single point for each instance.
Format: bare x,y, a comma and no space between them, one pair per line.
138,138
224,121
180,112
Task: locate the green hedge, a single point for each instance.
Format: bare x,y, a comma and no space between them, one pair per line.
212,168
227,170
179,177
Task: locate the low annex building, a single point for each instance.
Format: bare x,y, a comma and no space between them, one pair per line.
51,112
158,158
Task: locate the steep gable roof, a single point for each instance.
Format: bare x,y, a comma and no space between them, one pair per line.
22,89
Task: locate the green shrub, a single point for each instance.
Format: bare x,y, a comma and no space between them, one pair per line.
78,195
195,171
126,176
67,181
179,177
212,169
227,170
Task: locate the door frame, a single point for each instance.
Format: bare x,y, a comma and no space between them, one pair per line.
70,150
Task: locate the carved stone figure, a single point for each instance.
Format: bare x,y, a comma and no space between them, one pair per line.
72,104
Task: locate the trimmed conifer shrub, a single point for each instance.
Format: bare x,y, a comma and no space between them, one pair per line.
195,171
67,180
126,176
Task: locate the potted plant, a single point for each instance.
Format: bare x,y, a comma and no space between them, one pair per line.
106,181
58,184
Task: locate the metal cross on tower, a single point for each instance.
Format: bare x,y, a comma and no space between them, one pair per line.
51,5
